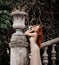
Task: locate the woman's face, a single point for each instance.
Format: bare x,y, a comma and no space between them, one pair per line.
35,27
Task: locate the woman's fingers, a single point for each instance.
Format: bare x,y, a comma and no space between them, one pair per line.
30,55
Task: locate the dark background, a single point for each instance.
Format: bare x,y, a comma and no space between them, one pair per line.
45,14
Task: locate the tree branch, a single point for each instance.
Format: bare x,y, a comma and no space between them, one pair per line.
50,42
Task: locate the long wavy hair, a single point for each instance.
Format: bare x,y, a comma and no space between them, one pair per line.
40,36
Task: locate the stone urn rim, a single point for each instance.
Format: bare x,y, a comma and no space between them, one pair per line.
18,12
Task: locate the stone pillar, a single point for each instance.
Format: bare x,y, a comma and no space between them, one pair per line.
18,44
53,55
45,56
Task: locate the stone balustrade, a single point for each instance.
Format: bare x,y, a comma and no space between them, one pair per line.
45,55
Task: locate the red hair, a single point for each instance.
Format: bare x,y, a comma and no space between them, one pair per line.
40,36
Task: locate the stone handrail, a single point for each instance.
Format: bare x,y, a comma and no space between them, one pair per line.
50,42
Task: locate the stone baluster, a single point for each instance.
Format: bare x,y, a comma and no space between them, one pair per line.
45,56
18,44
53,54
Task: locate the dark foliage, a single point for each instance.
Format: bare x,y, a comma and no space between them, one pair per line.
44,12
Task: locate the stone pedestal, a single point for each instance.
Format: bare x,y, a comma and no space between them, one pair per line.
18,44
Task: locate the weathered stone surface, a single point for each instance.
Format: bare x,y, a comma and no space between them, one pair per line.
18,43
19,56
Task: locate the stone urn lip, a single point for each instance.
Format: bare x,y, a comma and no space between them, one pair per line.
18,12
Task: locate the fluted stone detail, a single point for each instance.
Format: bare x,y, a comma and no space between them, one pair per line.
53,54
45,56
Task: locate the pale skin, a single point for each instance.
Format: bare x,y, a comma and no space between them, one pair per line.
29,32
35,54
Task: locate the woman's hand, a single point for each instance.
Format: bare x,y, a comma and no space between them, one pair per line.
31,30
28,31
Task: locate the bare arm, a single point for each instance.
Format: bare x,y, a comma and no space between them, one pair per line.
30,33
